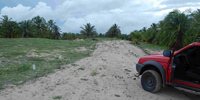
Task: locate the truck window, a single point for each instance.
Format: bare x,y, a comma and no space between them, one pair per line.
187,51
194,56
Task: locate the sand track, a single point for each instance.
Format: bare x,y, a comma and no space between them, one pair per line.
114,61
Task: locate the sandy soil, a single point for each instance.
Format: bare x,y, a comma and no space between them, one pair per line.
114,62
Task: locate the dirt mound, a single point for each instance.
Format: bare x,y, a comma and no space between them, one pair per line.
81,49
107,75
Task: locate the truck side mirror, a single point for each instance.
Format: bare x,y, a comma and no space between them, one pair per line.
166,53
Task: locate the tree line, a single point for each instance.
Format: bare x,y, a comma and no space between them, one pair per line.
38,27
176,26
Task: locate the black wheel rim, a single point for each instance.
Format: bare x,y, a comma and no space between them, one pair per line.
149,81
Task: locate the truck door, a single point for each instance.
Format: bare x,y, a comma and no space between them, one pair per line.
185,68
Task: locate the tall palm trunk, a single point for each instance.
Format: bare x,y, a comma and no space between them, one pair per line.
180,38
22,34
10,35
10,32
38,30
26,34
88,34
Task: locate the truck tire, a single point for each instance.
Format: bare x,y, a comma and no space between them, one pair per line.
151,81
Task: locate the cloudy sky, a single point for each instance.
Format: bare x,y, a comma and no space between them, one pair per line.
71,14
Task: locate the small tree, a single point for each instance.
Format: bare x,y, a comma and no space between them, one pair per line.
88,30
56,32
114,31
136,36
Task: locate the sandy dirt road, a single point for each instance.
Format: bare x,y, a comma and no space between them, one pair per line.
114,61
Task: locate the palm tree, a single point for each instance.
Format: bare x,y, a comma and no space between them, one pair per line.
152,31
4,25
26,27
194,31
114,31
56,32
174,28
135,36
8,26
88,30
51,24
1,31
144,29
5,20
39,23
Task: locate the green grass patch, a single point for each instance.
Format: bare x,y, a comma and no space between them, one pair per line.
144,46
17,56
151,46
94,72
81,68
57,97
73,64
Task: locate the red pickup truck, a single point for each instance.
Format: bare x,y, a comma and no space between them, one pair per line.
180,68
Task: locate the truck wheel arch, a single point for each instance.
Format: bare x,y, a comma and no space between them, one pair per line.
155,66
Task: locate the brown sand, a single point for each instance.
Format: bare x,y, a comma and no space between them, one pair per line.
114,62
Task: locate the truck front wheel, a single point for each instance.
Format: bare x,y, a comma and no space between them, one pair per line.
151,81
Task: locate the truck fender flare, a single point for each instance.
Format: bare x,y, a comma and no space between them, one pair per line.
158,66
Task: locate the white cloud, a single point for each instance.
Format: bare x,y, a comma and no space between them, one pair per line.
162,6
43,10
128,14
17,13
21,12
